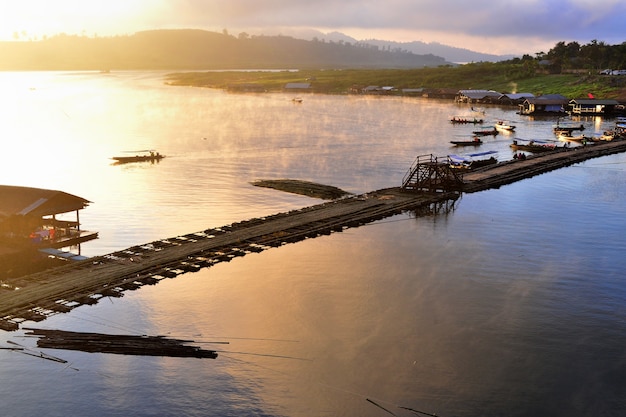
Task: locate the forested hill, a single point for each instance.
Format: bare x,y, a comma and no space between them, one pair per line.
198,49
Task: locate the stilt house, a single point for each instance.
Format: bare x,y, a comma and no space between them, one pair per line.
28,217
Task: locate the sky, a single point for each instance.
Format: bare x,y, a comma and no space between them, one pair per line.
490,26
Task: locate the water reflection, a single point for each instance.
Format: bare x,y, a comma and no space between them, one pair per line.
512,304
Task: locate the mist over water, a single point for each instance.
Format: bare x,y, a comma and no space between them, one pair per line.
511,304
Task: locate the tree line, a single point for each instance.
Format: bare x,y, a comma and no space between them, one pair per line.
198,49
594,56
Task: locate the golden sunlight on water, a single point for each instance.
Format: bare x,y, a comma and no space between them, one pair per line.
483,310
66,132
330,319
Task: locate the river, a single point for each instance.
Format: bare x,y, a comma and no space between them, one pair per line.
511,304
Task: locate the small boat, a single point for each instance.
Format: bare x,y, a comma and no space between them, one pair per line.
470,161
479,163
503,126
297,100
140,156
567,129
464,120
473,142
487,131
606,136
532,146
564,137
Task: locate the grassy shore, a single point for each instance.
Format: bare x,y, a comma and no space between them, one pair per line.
501,78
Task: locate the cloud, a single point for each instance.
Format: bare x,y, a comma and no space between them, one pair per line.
478,24
508,21
477,18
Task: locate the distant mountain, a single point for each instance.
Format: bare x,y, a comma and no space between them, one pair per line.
449,53
199,49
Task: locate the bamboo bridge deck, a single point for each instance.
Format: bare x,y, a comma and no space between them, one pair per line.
505,173
37,296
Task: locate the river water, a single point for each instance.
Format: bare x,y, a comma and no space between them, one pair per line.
512,304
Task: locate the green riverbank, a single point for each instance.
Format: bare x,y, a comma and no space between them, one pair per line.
504,78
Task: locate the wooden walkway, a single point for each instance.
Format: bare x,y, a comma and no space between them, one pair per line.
495,176
37,296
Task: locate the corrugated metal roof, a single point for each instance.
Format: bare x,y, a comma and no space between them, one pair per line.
479,94
33,206
476,91
595,101
298,85
16,200
517,96
551,97
546,101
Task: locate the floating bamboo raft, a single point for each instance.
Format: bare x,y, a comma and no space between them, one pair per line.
311,189
119,344
37,296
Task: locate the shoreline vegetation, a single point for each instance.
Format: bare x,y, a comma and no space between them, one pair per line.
503,78
268,63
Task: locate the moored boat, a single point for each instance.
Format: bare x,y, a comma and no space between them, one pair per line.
532,146
473,142
487,131
567,129
503,126
564,137
606,136
472,161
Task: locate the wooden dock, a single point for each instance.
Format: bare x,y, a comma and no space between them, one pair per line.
495,176
37,296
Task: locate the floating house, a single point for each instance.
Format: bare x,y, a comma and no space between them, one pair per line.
478,96
38,218
375,89
593,106
442,93
553,104
413,91
512,99
297,86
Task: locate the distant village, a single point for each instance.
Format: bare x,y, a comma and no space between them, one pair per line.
527,103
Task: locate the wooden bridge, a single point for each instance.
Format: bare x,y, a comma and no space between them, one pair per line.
428,187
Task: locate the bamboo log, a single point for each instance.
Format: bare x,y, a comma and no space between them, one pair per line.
119,344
